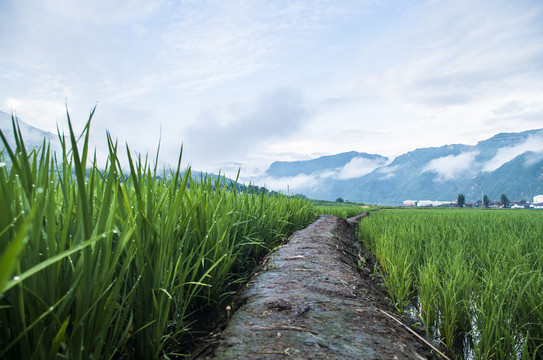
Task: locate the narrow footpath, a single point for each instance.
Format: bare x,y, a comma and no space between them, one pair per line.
317,297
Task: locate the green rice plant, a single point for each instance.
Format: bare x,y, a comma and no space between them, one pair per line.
454,297
531,306
343,211
395,266
474,272
103,263
49,303
428,290
494,320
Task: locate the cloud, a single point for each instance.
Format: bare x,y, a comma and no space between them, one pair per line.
358,167
388,171
462,55
420,70
533,143
104,11
511,107
292,184
533,158
451,166
37,112
274,115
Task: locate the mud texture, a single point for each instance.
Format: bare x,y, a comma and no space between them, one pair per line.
317,297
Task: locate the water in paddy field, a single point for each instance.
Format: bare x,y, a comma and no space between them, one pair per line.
463,347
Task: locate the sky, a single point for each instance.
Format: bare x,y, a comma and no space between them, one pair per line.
245,83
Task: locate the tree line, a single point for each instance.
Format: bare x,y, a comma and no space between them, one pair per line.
461,200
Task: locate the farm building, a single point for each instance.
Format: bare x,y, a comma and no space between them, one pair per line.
538,199
431,203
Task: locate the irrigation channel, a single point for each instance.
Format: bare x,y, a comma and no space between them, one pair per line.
317,297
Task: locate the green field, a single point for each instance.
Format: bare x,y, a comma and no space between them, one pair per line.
341,209
473,277
112,262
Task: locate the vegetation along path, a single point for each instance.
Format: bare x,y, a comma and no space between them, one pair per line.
317,298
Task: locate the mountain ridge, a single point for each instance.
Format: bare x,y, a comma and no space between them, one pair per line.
509,163
327,162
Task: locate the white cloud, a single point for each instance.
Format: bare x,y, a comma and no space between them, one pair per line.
37,112
358,167
451,63
387,176
274,115
410,74
533,158
533,144
291,184
451,166
388,171
102,11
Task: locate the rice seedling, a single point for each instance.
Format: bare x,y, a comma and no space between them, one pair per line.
99,262
475,273
342,211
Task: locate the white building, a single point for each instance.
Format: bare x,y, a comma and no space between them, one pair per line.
538,199
431,203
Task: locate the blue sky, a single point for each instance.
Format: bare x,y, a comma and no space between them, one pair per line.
244,83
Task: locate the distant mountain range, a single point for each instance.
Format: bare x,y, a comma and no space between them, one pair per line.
507,163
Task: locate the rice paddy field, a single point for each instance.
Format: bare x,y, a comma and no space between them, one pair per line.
120,261
117,263
474,278
343,212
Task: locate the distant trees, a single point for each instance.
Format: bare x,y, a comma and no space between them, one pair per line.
339,200
486,201
461,200
504,200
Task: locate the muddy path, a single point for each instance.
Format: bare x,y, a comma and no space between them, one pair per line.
317,298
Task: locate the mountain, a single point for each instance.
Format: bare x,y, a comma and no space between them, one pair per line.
510,163
32,136
507,163
293,168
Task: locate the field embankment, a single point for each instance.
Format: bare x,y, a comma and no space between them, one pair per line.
317,298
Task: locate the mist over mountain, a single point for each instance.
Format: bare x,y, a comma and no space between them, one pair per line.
510,163
507,163
352,160
32,136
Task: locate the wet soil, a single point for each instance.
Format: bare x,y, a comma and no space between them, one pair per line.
316,297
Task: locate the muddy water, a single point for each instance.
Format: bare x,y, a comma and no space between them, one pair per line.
317,298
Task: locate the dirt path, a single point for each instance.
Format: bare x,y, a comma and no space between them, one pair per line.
311,300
